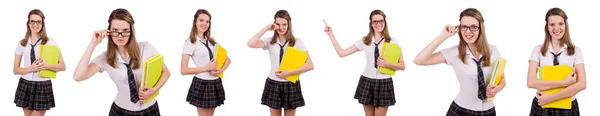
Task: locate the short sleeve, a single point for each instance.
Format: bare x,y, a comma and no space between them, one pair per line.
359,44
266,43
394,40
535,54
496,51
19,49
148,50
450,54
100,60
578,56
188,47
300,45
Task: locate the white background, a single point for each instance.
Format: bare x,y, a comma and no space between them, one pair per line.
515,26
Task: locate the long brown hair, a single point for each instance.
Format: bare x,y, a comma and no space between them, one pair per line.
289,36
481,42
194,31
566,39
42,34
132,45
386,35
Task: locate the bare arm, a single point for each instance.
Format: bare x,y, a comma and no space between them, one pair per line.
163,77
427,57
186,70
255,42
85,69
575,88
338,49
534,82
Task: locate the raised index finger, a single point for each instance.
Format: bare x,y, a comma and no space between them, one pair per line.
325,22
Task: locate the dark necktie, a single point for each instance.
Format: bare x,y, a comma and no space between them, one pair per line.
556,58
133,91
210,54
32,56
481,94
281,51
377,51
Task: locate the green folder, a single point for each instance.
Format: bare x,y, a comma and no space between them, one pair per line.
50,55
391,52
151,73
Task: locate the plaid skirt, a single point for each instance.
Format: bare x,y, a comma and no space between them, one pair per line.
376,92
456,110
118,111
34,95
286,95
206,93
536,110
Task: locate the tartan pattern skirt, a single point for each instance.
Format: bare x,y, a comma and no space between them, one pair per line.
456,110
286,95
118,111
536,110
376,92
34,95
206,93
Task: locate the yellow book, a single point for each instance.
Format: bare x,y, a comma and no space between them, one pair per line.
391,52
151,73
292,59
50,54
497,72
221,54
556,73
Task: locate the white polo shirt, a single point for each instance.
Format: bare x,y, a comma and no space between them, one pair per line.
467,77
563,58
119,76
199,53
369,50
274,55
25,52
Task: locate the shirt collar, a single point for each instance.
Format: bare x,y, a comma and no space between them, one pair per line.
200,39
559,51
121,58
470,54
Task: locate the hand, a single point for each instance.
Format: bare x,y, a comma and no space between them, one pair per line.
145,93
35,66
327,28
543,98
42,64
271,27
382,62
449,30
210,65
99,35
282,74
572,78
491,90
216,72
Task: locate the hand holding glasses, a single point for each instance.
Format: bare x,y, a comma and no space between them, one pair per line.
101,34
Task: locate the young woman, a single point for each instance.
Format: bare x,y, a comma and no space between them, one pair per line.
34,94
278,92
123,62
375,89
556,49
471,60
206,91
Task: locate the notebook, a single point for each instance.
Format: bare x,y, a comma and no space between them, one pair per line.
556,73
391,52
50,54
151,73
497,72
292,59
221,54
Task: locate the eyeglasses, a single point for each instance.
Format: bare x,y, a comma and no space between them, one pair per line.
378,21
116,33
34,22
471,28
